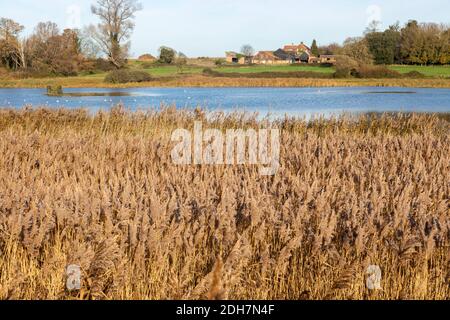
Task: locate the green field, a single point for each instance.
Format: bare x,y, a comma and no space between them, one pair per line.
164,71
283,68
158,71
191,75
430,71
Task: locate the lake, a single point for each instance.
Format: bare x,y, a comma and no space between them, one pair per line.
275,101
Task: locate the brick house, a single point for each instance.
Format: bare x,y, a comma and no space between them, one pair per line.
297,49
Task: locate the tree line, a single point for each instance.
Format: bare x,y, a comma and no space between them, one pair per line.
105,46
414,44
49,50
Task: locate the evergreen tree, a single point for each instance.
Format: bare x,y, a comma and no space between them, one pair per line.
315,48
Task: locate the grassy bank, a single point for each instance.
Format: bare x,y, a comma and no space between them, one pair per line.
429,71
101,192
208,81
239,76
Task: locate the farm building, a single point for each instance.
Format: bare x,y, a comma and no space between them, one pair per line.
297,49
314,60
147,58
269,57
237,58
291,53
327,58
308,57
285,56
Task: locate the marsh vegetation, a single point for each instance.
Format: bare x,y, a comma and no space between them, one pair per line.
101,192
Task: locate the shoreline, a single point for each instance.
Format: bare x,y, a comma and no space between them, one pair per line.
211,82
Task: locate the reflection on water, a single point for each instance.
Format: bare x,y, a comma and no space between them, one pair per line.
93,94
391,92
265,101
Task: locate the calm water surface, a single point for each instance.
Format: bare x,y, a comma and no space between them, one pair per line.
274,101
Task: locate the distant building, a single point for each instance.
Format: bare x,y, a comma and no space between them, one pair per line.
269,57
232,57
289,54
327,58
147,58
297,49
304,57
285,56
314,60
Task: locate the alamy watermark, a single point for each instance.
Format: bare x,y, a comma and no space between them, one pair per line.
235,147
73,17
374,13
73,277
373,280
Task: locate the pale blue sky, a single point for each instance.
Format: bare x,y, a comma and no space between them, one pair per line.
210,27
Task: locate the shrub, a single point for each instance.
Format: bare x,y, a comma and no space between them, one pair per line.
209,71
375,72
55,90
348,67
345,67
167,55
414,75
147,65
126,76
104,65
219,62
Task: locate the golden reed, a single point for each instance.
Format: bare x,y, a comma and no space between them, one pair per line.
101,192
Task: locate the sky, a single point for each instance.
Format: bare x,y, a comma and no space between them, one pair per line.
211,27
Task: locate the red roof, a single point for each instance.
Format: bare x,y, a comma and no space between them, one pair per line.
296,48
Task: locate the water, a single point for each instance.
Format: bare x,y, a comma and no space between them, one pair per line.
274,101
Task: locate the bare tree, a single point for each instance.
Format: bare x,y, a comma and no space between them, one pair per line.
115,27
88,46
181,61
358,49
11,47
9,29
247,50
373,27
45,30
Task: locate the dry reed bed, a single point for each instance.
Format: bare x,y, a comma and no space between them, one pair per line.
101,192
